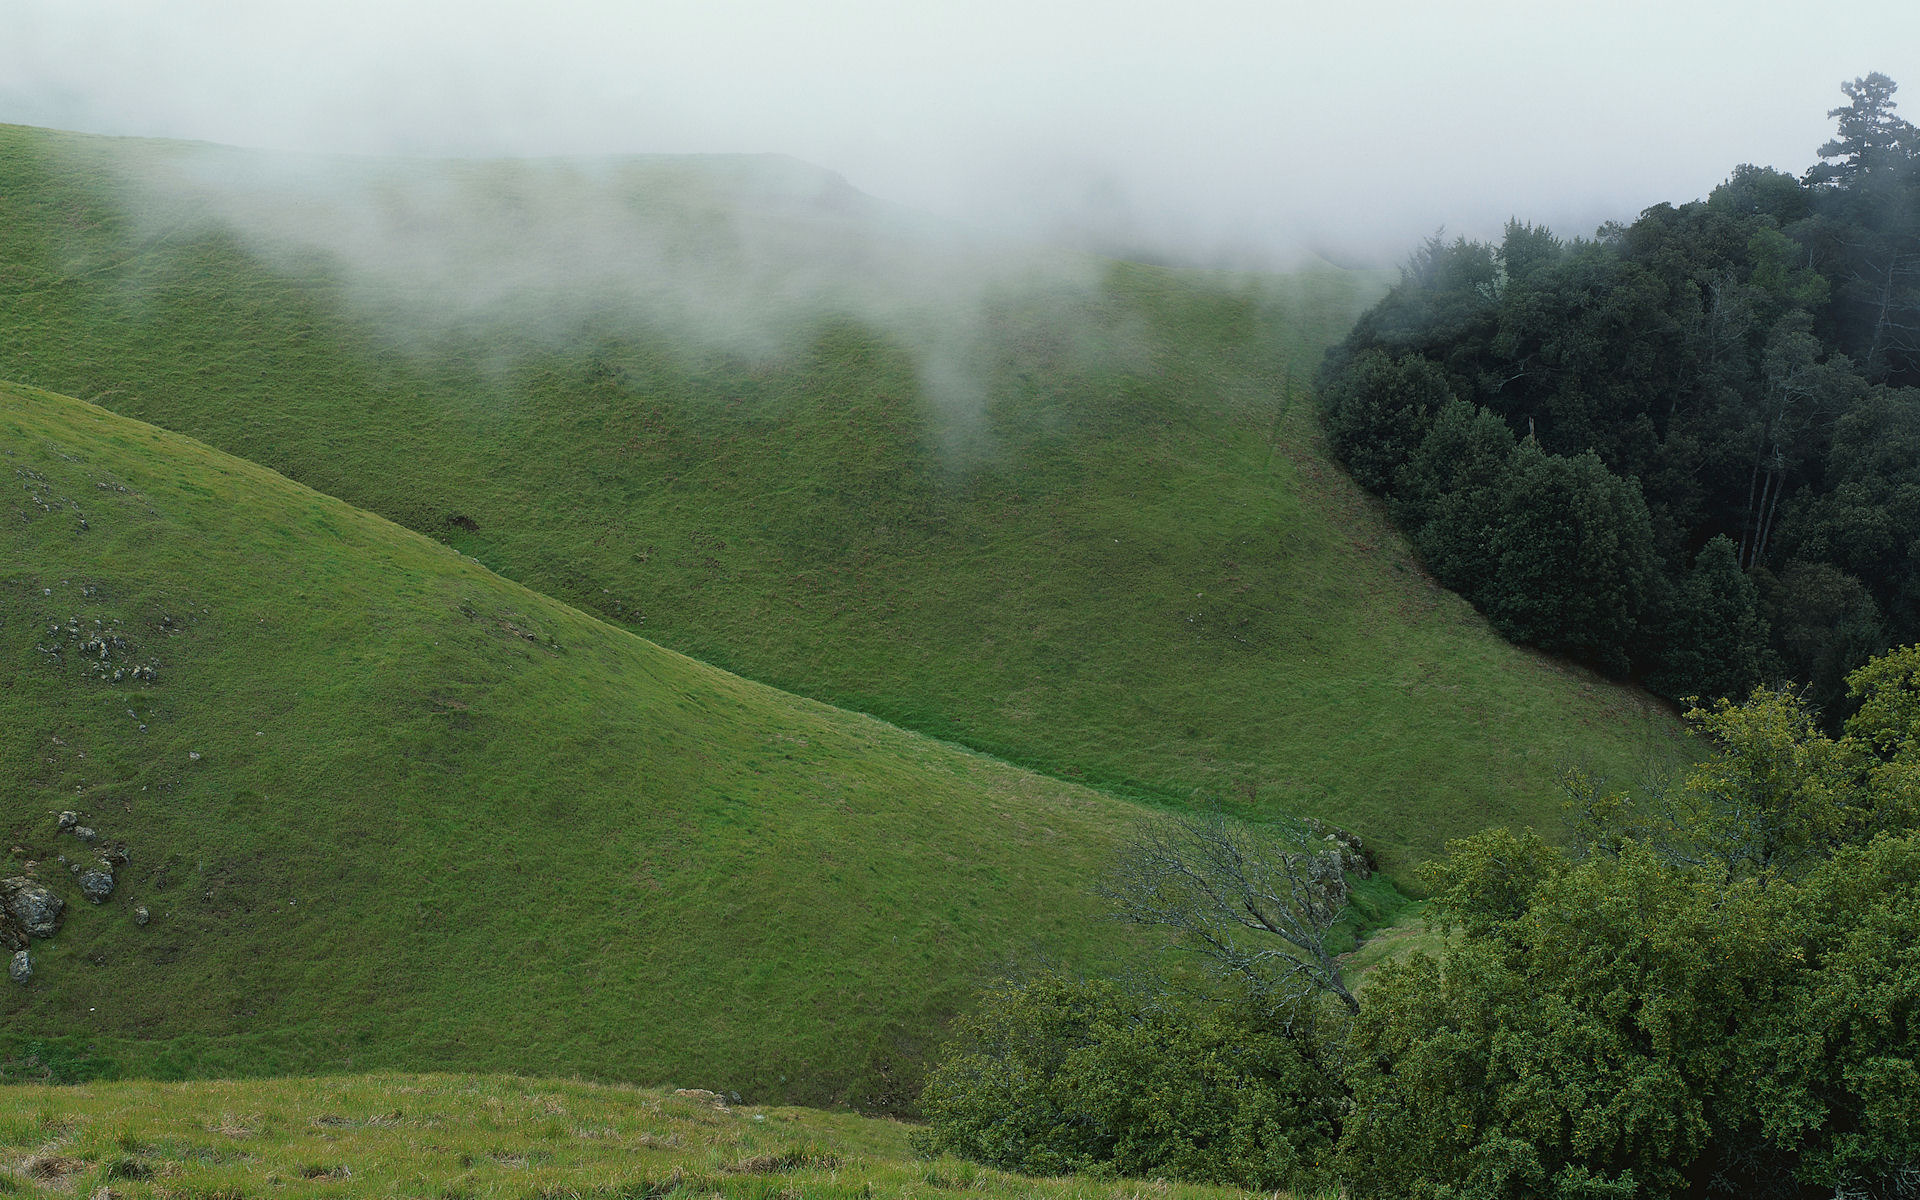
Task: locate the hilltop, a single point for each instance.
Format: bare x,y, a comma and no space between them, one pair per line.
1069,512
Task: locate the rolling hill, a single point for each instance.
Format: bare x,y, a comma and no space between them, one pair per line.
370,805
1069,512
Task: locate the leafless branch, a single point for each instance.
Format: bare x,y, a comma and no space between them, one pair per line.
1259,904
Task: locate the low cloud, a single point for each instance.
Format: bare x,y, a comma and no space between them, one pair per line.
1226,131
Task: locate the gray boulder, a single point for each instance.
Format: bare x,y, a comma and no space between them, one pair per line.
20,967
97,884
141,916
36,909
69,819
1346,846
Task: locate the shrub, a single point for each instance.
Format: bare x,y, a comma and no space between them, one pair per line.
1054,1076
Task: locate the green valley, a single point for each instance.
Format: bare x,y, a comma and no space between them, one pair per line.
1068,512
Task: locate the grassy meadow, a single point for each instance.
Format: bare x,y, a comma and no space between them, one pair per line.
383,809
480,1137
1070,513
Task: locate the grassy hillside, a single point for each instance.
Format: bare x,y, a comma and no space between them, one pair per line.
1067,512
382,808
480,1138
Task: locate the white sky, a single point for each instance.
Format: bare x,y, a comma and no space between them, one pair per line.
1206,127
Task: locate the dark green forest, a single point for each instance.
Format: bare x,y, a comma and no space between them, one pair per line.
1686,450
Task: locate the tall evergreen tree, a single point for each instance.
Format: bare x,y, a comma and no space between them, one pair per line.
1870,136
1573,557
1714,634
1448,496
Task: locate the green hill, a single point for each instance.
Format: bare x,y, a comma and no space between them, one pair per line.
1069,512
381,807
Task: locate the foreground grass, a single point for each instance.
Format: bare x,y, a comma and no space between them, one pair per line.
1080,520
478,1137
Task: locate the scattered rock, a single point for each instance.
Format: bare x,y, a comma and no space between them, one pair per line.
1355,858
36,909
86,833
141,916
97,884
702,1095
69,819
20,967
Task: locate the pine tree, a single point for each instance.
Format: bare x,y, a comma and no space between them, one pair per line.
1870,137
1573,557
1715,634
1448,495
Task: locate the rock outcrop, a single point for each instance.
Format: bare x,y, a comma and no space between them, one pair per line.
96,883
30,908
1354,857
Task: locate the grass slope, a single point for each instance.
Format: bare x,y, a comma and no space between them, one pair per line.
1081,520
385,809
479,1138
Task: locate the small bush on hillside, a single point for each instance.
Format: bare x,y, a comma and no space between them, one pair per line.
1055,1076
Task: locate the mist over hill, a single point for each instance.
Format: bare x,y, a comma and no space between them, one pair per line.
1065,511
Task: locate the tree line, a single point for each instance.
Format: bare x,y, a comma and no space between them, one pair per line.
1714,990
1685,450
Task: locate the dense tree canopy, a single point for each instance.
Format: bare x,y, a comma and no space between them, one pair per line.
1715,992
1574,433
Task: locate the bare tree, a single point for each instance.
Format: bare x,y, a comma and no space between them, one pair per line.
1257,902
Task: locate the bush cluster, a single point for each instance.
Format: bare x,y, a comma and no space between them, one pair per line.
1715,991
1054,1076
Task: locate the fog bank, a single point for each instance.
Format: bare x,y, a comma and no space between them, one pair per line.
1225,131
